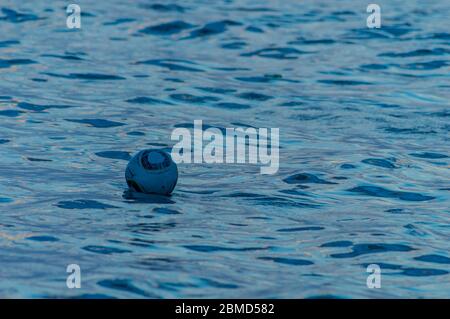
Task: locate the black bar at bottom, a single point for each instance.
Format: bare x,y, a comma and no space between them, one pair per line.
222,308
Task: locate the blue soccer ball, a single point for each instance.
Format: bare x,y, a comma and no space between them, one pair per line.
152,172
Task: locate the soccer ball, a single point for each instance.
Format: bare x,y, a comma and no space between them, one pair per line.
152,172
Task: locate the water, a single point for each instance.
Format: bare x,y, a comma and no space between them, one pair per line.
364,146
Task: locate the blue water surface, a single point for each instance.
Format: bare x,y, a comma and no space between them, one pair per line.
364,148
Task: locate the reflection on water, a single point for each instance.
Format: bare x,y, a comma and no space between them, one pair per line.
364,168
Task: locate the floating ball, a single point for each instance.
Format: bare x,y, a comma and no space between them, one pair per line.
152,172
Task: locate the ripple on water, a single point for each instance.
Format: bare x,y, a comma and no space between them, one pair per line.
300,229
8,43
410,130
161,263
305,41
437,259
236,45
148,100
160,7
140,198
120,155
416,53
253,96
86,296
168,28
69,57
119,21
288,261
339,243
165,211
209,249
17,17
364,249
11,113
126,286
284,53
264,200
6,63
83,204
149,228
43,238
86,76
212,28
305,178
344,82
217,90
41,107
423,272
429,155
190,98
254,29
379,162
377,191
267,78
204,125
98,123
347,166
34,159
232,106
173,64
105,250
431,65
217,284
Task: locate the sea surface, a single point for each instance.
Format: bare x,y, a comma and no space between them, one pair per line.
364,173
